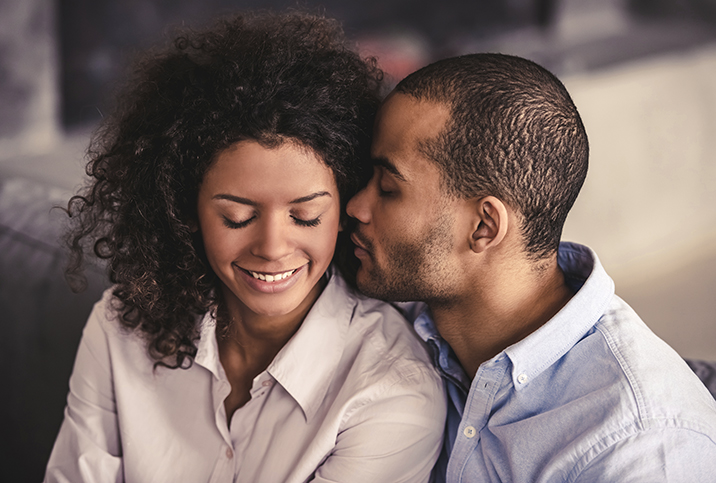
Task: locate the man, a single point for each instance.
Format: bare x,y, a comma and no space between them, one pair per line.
550,376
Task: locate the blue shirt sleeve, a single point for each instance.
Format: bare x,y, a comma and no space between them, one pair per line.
664,454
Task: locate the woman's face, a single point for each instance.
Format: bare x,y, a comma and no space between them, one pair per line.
269,219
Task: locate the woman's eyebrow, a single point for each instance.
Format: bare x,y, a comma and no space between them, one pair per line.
246,201
310,197
235,199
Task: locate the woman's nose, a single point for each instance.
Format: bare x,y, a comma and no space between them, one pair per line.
273,239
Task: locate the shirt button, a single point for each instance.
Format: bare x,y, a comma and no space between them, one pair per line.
522,378
469,432
229,453
266,383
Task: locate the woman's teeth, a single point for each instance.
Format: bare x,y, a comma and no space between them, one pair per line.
272,278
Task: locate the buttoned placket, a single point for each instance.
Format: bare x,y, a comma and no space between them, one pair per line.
207,357
225,465
244,419
477,411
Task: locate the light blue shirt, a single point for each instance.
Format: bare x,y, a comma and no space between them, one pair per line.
591,396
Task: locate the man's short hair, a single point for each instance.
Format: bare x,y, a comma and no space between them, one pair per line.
514,133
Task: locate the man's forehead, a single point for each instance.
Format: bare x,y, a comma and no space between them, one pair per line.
419,118
402,126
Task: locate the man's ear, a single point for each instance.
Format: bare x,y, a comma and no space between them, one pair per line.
490,225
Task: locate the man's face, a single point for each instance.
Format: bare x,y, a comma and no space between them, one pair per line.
406,234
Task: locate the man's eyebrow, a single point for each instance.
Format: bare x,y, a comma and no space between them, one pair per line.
389,167
246,201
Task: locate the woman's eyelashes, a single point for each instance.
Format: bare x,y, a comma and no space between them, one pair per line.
229,223
301,222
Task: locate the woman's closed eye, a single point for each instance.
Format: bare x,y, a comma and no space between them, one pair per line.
301,222
229,223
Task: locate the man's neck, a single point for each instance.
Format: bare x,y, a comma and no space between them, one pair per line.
495,314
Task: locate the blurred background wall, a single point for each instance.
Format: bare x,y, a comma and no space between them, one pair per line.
642,73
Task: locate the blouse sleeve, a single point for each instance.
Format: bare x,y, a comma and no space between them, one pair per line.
396,438
88,448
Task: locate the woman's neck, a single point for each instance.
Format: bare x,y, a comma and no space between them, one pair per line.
254,334
248,342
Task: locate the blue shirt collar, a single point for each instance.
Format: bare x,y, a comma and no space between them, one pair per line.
533,354
594,290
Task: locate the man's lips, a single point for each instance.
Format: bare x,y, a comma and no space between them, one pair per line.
358,242
363,247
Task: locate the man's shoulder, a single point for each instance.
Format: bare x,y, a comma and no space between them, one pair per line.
656,379
628,381
618,390
648,409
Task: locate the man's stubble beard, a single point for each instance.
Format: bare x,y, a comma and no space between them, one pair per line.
414,271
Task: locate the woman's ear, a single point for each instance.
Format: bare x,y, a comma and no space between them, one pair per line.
490,224
193,224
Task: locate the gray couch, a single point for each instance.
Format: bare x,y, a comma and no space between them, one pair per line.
42,321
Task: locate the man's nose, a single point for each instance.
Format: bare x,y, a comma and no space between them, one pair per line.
358,206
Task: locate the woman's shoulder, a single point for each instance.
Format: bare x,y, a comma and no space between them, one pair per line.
390,365
380,333
106,314
105,332
384,325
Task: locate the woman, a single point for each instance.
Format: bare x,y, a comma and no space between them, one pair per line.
229,347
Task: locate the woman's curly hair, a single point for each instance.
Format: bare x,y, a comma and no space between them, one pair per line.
259,76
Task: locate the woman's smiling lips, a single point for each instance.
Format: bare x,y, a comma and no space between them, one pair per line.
270,282
271,277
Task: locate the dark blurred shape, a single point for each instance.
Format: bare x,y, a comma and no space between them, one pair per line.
98,37
706,372
399,54
685,9
544,12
